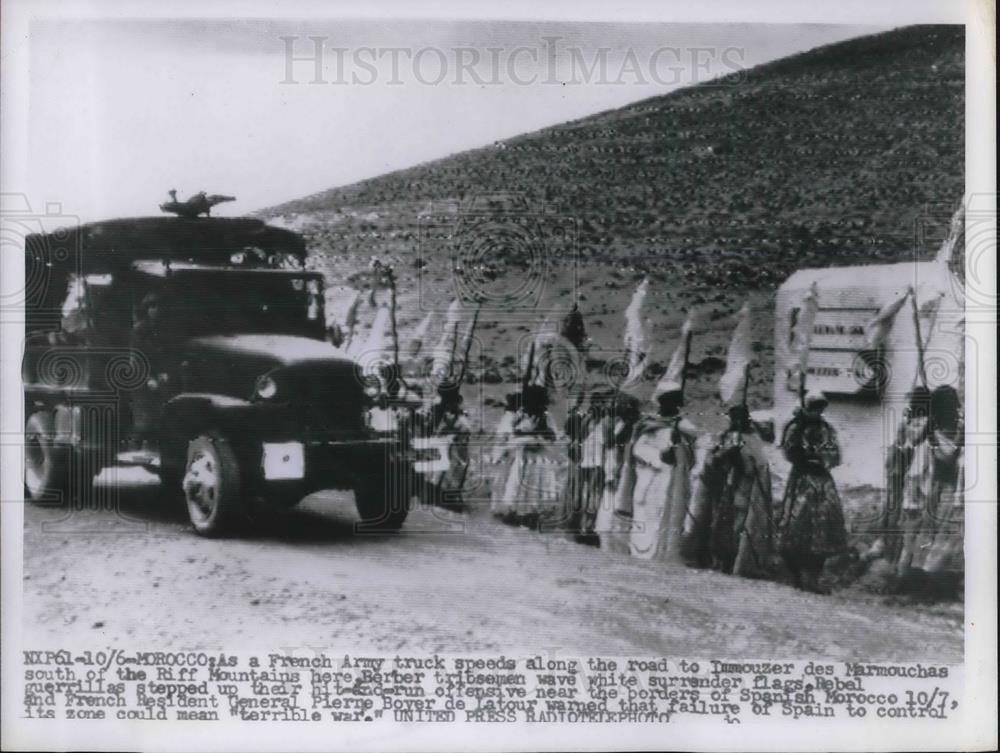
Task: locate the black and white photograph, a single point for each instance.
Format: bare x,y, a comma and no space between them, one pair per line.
399,377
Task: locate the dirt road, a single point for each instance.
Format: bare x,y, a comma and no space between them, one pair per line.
448,583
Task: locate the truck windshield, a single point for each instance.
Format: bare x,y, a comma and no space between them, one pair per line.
207,302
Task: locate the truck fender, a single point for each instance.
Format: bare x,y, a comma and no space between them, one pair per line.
191,413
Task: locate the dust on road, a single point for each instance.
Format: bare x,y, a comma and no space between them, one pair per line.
447,583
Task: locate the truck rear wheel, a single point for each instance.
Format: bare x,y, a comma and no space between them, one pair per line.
46,464
382,500
212,487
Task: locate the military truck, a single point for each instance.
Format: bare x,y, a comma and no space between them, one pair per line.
196,347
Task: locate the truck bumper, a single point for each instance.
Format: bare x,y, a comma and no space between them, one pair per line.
317,464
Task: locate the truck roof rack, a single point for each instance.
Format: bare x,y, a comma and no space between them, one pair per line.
112,246
115,244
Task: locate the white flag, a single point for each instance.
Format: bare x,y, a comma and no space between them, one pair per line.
954,245
878,328
932,305
547,327
925,318
380,338
532,367
738,358
555,363
635,339
801,334
674,375
463,350
419,335
377,347
448,344
351,342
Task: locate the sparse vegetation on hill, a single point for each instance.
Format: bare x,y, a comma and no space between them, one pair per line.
718,191
824,157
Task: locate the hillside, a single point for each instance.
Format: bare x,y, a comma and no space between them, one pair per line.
718,190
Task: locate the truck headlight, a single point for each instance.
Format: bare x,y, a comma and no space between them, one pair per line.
266,388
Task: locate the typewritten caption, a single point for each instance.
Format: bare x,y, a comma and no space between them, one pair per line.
112,684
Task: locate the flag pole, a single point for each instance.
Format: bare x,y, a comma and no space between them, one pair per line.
454,346
468,343
391,279
526,377
351,321
803,367
687,353
810,305
921,369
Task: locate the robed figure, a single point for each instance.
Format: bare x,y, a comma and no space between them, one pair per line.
655,484
731,527
611,528
932,511
812,524
527,451
450,427
589,433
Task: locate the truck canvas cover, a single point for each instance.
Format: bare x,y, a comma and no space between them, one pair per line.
112,245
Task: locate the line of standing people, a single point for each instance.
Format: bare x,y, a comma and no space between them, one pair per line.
652,486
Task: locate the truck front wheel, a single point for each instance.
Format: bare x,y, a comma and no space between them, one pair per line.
212,485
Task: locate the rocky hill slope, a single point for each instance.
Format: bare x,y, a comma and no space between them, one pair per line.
717,191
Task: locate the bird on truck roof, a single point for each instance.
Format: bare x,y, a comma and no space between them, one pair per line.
197,205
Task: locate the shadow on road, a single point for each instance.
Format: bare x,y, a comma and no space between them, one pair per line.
315,520
132,501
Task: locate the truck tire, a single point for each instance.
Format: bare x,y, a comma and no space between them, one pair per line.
212,485
46,464
382,500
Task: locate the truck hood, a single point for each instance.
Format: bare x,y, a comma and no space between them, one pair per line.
232,364
270,350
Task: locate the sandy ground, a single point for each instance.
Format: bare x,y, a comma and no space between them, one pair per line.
449,582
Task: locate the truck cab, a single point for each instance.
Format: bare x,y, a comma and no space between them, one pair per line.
198,348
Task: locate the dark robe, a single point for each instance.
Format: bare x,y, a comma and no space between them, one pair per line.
813,520
732,524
